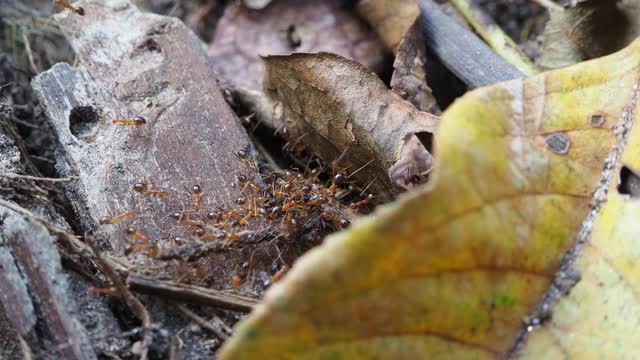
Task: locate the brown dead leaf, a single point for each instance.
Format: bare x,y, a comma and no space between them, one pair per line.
390,18
343,111
285,26
409,78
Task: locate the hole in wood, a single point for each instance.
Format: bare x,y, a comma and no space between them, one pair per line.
82,121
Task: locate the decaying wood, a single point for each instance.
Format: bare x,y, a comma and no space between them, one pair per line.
346,116
132,63
34,292
461,51
190,294
17,198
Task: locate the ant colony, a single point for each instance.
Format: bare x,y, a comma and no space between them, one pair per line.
273,207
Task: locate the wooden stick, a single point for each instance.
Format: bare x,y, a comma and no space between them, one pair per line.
36,178
462,52
191,294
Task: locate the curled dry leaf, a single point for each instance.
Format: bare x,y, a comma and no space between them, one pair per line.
451,271
590,29
343,111
409,78
283,27
390,18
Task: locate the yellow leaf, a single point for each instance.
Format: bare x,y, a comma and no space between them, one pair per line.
599,318
451,271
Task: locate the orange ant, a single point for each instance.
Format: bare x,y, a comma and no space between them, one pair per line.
197,197
362,202
136,235
106,220
342,222
279,274
151,250
244,157
180,217
143,188
137,120
78,10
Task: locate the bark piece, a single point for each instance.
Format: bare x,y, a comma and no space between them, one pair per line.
35,293
93,311
344,113
285,26
409,78
130,63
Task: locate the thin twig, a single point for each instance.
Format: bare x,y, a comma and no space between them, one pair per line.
174,349
138,309
190,294
217,331
27,46
37,178
550,5
135,305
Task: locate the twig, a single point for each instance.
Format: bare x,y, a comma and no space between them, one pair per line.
136,307
216,330
462,52
550,5
190,294
494,36
27,46
174,348
37,178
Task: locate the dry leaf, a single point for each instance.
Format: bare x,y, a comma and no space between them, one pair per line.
390,18
451,271
337,106
286,26
409,78
591,29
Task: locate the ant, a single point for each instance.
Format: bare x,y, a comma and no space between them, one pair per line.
136,235
197,197
342,222
106,220
78,10
143,188
137,120
244,157
280,273
361,202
